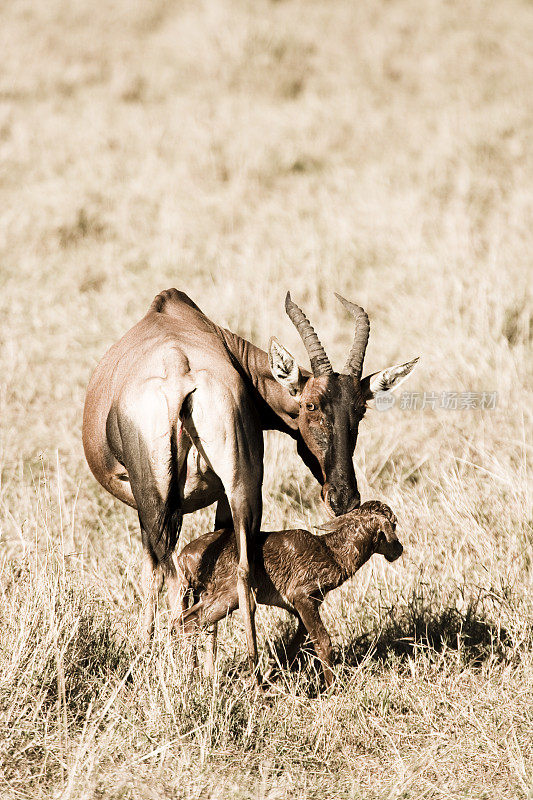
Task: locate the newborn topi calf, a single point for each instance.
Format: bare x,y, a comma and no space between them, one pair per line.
293,569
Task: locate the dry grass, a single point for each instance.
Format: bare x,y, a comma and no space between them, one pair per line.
236,149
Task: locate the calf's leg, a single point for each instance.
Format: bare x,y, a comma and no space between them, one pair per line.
211,650
307,608
293,647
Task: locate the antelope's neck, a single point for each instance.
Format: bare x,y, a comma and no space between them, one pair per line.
278,411
350,550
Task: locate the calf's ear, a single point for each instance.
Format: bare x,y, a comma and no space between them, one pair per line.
388,531
284,367
332,524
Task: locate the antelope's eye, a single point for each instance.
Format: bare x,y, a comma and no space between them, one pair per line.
310,407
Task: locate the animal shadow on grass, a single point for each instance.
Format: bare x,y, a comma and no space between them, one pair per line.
422,624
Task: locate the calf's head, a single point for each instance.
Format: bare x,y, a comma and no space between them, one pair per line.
384,523
375,523
332,404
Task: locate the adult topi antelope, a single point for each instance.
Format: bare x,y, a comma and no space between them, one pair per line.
174,419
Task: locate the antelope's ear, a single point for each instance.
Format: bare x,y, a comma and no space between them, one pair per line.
386,381
284,367
388,532
333,524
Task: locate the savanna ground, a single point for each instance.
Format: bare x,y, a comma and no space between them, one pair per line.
236,150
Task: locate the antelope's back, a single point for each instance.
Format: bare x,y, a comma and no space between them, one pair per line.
166,347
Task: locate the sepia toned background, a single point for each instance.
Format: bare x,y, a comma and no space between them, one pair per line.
237,150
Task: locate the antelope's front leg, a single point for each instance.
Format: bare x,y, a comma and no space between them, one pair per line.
246,508
307,608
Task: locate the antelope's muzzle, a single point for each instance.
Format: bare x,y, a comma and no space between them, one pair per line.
394,549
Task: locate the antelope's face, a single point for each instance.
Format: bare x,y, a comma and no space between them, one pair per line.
330,409
332,404
387,543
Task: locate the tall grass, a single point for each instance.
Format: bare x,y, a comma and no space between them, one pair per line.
433,690
237,150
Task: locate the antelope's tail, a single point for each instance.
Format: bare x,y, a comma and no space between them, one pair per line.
171,516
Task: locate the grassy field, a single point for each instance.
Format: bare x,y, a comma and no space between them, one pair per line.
235,149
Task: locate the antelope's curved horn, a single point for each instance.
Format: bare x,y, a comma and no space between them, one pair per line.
354,365
320,363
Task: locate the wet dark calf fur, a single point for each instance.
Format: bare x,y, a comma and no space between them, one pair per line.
293,569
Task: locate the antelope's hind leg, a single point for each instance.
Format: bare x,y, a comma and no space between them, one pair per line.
186,635
151,584
223,519
231,442
145,444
